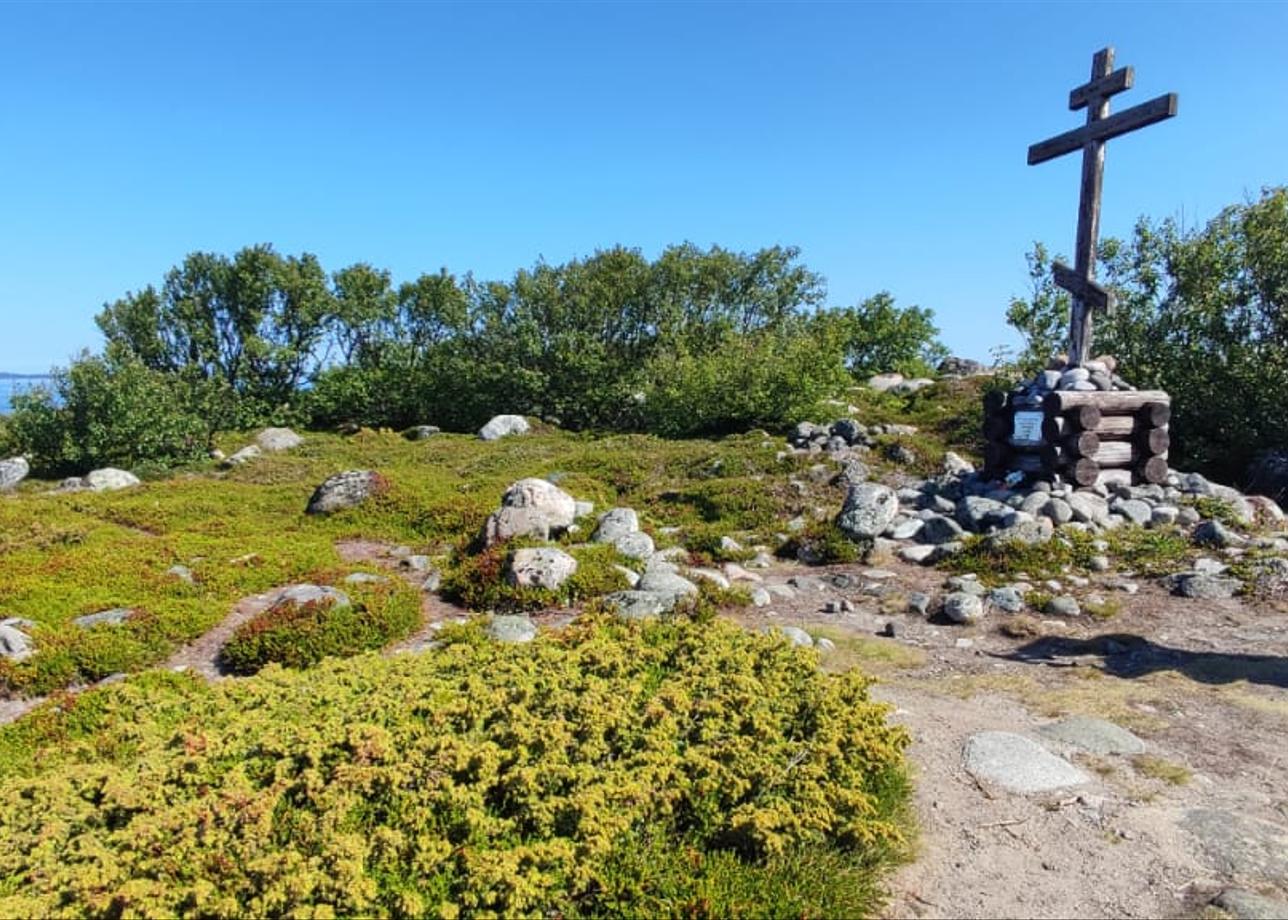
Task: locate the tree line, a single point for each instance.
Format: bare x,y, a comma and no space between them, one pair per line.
694,342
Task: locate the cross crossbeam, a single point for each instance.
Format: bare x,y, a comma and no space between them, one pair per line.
1100,127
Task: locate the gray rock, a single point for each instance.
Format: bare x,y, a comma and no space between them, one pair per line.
15,644
421,432
1089,508
1163,515
182,573
981,514
1240,845
961,607
1029,533
660,581
1214,533
310,594
1074,375
968,584
868,510
1063,606
114,617
635,545
912,386
883,382
639,605
960,367
632,577
1248,905
275,439
1047,380
1007,599
793,634
531,508
906,530
938,529
1035,502
848,430
516,629
245,455
540,567
344,490
853,472
1058,511
761,598
1018,764
782,592
1207,587
110,480
614,523
919,554
919,602
1207,566
365,578
503,426
1094,735
824,644
13,471
1268,475
1135,510
955,465
1098,563
1187,516
416,562
716,578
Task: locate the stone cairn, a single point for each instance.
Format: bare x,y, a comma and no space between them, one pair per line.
1082,425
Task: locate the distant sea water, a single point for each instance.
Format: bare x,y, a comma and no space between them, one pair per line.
11,385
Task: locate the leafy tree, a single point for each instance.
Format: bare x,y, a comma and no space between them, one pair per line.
1200,313
108,411
878,336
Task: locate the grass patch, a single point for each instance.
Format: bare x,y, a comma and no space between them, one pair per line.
823,543
1106,609
870,654
616,769
1158,768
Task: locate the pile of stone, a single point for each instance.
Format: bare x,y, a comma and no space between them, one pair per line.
842,435
926,522
1097,374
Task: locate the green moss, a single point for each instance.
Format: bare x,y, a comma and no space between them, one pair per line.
478,581
614,770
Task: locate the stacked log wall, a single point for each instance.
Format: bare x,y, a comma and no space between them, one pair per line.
1090,437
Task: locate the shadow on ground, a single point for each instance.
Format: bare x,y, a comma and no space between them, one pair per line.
1127,655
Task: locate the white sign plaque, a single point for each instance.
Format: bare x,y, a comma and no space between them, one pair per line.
1027,428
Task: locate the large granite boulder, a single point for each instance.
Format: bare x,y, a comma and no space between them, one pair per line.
502,426
543,567
110,480
531,508
345,490
12,472
868,510
275,439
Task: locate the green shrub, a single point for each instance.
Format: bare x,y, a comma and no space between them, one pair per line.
615,770
301,635
107,412
477,581
823,543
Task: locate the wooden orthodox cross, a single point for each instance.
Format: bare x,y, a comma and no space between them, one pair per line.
1080,281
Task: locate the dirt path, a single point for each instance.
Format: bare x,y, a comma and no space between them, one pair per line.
1203,683
202,655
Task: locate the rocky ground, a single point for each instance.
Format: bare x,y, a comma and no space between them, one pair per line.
1090,739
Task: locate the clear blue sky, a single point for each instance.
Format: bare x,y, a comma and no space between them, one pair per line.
888,142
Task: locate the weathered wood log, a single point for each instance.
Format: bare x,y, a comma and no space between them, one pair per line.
1081,443
1083,471
1155,414
1154,469
1114,477
1109,402
1156,440
1116,427
1121,453
998,427
1085,417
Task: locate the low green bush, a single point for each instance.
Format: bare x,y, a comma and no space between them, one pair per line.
617,769
478,581
301,635
823,543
